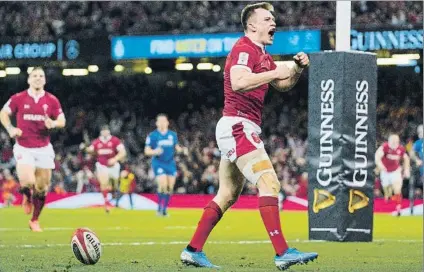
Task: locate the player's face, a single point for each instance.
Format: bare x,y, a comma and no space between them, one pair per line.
420,132
264,22
394,142
37,80
105,133
162,123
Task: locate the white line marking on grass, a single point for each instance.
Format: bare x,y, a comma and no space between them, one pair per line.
61,229
180,227
186,242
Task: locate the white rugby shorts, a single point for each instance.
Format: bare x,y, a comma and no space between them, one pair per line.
113,171
388,178
237,136
39,157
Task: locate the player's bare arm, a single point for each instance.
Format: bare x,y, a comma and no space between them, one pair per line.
148,151
413,156
7,124
283,85
122,153
85,148
243,80
406,166
60,122
378,159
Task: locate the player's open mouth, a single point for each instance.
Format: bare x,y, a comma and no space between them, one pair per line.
271,33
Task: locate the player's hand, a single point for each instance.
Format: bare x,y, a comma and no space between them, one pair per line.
282,72
112,161
158,151
419,162
14,132
301,59
49,123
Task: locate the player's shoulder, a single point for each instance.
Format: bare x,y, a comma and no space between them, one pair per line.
115,139
154,133
95,141
51,96
20,95
244,45
385,145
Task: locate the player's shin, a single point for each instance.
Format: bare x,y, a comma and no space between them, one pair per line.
211,216
26,191
269,187
38,198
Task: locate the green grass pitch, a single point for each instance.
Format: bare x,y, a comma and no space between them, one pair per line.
140,241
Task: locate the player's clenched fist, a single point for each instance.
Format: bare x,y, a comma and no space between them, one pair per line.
301,59
49,123
14,132
283,72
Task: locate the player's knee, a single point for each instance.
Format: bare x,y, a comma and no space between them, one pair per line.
268,184
40,189
228,196
258,167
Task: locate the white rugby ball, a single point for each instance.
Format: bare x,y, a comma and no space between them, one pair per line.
86,246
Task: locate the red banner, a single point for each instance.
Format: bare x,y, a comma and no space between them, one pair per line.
149,202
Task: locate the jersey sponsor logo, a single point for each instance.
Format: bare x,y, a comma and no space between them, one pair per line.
34,117
393,157
104,151
243,58
169,142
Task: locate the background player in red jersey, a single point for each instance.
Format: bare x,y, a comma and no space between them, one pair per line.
109,151
248,72
387,159
36,111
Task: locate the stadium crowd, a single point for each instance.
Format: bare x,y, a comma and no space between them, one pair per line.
44,20
129,105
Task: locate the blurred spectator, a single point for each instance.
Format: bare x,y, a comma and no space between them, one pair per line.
44,20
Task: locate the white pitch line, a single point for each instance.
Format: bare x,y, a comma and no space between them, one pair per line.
185,242
60,229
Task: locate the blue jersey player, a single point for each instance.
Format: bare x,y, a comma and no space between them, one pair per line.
417,152
161,145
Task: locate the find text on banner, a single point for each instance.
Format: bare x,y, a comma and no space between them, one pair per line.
207,45
341,145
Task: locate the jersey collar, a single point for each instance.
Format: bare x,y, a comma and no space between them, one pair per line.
105,139
261,46
35,96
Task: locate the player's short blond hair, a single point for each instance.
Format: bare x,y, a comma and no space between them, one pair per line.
248,11
37,68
